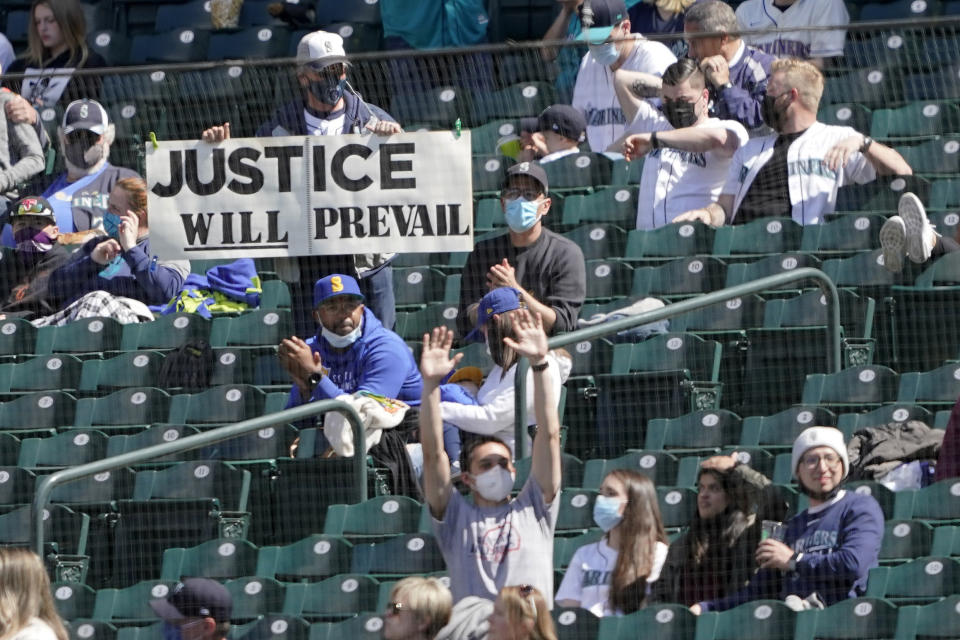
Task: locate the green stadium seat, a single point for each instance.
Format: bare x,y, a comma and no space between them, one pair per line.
849,423
417,287
489,172
17,338
235,365
313,558
131,369
843,234
334,598
940,501
92,630
944,272
860,270
366,626
598,241
258,328
166,332
49,372
945,194
64,450
113,46
608,279
946,541
89,335
938,156
739,273
853,619
255,597
881,195
275,295
441,106
578,172
516,101
937,388
731,315
33,412
845,114
73,600
659,466
778,431
194,14
564,548
273,627
65,531
702,432
411,325
669,241
223,404
904,540
575,623
764,236
255,42
220,558
898,10
670,351
866,386
375,519
810,310
937,620
769,619
874,86
488,215
916,119
265,444
591,357
176,45
16,485
411,553
916,582
884,496
124,410
95,494
571,471
886,48
318,482
681,277
158,434
576,512
483,139
664,621
677,506
614,205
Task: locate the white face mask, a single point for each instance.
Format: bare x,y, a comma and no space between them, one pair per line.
494,484
341,342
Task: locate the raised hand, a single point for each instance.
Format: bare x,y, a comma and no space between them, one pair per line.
216,134
435,361
531,339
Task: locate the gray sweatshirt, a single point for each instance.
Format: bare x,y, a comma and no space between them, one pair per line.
21,156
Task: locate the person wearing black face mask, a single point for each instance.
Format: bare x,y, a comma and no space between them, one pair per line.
37,254
687,152
796,171
328,106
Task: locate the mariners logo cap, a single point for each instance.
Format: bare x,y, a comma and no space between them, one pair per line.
602,16
320,49
195,598
499,300
565,120
335,284
85,114
531,169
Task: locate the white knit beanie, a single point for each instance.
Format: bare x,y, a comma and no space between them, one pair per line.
819,437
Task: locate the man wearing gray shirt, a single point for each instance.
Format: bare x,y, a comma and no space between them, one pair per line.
493,541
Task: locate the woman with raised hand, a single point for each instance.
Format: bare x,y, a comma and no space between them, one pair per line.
521,613
27,611
613,575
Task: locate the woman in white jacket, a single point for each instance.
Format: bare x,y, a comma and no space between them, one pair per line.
494,413
27,611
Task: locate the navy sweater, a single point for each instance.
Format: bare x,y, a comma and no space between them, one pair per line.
379,362
840,543
741,102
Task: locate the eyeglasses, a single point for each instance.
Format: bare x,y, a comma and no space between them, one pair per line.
513,193
813,462
394,608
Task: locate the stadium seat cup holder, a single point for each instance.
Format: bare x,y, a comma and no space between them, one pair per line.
233,524
69,568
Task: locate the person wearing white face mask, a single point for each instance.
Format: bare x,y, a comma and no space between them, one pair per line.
493,541
546,268
613,575
613,48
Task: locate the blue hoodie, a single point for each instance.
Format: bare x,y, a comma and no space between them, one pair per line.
840,542
379,362
290,119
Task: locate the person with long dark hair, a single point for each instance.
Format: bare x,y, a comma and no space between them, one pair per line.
613,575
714,557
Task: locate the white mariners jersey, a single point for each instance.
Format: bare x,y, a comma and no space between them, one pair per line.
675,181
595,97
762,14
811,184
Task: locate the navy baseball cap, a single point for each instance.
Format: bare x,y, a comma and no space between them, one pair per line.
32,207
85,114
195,598
531,169
497,301
335,285
565,120
603,16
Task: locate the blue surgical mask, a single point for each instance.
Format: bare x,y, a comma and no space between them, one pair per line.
111,224
605,54
606,512
341,342
521,214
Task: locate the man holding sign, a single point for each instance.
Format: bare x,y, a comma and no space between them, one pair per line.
329,106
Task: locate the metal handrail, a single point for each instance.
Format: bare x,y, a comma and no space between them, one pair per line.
675,309
196,441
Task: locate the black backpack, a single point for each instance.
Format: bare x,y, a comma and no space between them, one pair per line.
189,366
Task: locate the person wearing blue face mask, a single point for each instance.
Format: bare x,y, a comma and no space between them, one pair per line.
195,609
613,575
612,48
546,268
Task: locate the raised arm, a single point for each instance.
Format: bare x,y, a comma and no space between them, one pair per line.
435,363
531,342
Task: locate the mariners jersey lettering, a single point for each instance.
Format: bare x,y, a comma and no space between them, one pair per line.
596,98
756,15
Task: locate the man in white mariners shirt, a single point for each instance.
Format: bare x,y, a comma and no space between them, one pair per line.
688,153
813,45
796,171
612,48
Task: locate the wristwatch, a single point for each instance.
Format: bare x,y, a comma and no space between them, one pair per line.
314,380
867,141
725,85
794,559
